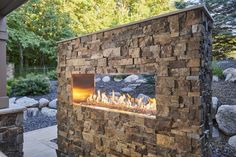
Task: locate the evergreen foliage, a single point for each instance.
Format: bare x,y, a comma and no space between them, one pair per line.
224,32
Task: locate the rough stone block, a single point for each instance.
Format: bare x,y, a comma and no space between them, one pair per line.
193,17
193,63
102,62
88,137
112,52
155,49
174,25
180,49
162,39
165,141
126,61
134,52
177,64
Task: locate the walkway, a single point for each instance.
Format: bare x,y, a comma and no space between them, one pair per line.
37,143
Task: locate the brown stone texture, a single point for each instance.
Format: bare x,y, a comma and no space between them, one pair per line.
177,49
11,134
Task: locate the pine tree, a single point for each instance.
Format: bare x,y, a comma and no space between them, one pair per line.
224,32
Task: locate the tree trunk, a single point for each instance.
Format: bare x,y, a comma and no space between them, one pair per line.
21,59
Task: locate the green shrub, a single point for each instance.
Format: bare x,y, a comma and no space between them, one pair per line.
8,90
9,85
52,75
30,85
216,70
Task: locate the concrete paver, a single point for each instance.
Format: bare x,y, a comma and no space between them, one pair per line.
37,143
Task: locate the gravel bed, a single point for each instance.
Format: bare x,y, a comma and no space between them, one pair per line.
224,64
225,92
42,121
221,148
38,122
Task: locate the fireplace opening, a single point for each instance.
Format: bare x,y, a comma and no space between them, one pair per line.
128,92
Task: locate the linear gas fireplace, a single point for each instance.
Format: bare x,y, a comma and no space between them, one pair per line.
121,92
137,90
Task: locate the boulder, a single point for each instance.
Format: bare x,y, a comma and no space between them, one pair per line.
27,102
116,93
226,119
43,102
134,85
131,78
48,112
53,104
127,89
232,141
98,79
145,97
12,100
31,112
106,79
141,81
215,132
117,79
215,106
230,74
215,78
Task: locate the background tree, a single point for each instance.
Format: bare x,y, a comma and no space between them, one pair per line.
35,28
224,32
21,39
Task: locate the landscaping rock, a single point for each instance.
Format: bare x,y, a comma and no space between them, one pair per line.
141,81
117,79
12,100
31,112
131,78
106,79
127,89
53,104
226,63
232,141
27,102
48,112
215,132
116,93
230,74
215,106
43,102
98,79
226,119
215,78
134,85
145,97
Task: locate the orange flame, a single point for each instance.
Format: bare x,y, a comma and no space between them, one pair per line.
81,95
123,102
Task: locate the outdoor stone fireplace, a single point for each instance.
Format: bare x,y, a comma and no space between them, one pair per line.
176,48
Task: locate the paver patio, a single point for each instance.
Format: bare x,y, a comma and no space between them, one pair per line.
37,143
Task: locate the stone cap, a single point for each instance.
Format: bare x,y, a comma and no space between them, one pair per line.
202,7
2,155
12,109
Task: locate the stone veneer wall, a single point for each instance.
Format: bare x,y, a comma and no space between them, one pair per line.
11,134
176,47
